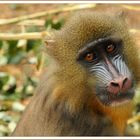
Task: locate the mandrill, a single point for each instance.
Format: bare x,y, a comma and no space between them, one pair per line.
89,86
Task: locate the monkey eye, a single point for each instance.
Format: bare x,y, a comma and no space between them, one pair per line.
110,48
90,57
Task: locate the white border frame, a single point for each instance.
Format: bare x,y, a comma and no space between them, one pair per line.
67,1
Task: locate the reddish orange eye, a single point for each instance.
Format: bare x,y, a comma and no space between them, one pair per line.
110,48
89,57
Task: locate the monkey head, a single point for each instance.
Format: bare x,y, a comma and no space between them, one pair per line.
97,50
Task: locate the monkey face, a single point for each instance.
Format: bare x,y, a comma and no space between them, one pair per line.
104,50
104,59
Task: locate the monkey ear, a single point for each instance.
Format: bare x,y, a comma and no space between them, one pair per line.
49,41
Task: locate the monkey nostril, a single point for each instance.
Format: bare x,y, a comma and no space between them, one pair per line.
114,84
124,81
120,84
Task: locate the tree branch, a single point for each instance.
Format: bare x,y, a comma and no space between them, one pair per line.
44,13
26,36
37,35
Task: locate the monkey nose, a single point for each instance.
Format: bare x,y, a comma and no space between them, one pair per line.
120,84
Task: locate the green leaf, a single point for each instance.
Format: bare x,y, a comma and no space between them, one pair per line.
1,44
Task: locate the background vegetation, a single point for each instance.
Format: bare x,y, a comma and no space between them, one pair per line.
23,28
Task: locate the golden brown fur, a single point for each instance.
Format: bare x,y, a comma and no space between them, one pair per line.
64,103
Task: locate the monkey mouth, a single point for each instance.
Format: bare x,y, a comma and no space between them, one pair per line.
119,102
121,99
109,99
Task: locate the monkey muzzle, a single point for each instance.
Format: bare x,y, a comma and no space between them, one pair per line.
118,92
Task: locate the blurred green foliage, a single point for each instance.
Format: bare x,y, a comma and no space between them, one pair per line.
15,85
